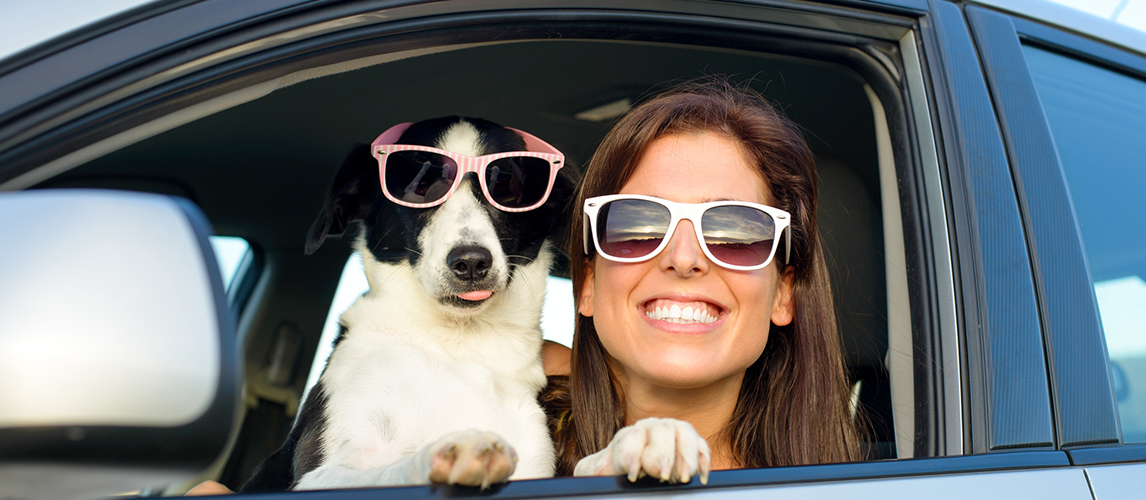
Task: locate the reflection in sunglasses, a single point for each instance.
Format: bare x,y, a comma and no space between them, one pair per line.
737,225
738,235
635,219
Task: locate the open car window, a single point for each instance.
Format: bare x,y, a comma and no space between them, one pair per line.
835,105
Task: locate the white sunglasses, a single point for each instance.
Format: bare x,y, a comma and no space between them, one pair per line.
734,234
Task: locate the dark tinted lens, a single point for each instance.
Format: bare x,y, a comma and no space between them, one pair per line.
517,181
419,176
631,228
740,236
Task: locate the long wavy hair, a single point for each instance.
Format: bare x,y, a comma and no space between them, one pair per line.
793,406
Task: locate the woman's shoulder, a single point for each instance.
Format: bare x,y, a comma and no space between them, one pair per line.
555,358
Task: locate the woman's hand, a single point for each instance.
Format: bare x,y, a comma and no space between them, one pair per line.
664,448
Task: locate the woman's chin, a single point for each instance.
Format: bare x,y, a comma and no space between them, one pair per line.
676,373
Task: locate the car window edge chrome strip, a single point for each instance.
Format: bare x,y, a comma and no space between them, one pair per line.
941,245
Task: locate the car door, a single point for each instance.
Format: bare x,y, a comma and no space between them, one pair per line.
960,309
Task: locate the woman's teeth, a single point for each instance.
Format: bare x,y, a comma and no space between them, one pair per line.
677,314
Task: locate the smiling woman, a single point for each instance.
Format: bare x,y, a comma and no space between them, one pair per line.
737,339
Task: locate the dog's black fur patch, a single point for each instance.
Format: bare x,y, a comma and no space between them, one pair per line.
280,470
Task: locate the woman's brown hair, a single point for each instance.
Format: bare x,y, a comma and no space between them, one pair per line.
793,403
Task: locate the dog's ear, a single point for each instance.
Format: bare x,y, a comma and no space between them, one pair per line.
349,198
563,197
564,191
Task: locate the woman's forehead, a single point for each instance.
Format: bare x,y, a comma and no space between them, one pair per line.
695,168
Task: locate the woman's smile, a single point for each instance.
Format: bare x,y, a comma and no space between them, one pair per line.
682,313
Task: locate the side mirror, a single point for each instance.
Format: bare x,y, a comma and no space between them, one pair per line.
118,364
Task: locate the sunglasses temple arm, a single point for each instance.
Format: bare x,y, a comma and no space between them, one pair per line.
585,233
534,144
788,246
391,135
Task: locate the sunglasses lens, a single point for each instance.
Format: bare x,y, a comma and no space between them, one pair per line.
739,236
629,229
517,181
419,176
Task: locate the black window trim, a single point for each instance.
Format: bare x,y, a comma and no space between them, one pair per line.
1080,382
596,486
1102,455
938,425
1007,403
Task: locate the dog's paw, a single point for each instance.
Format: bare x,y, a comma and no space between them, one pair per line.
668,449
471,458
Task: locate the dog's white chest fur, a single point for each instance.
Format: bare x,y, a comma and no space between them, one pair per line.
404,376
393,398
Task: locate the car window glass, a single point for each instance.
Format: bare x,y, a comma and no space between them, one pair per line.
1098,119
556,316
229,250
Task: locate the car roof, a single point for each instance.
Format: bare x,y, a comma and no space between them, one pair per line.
25,25
28,26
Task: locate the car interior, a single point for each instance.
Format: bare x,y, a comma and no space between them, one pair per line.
259,164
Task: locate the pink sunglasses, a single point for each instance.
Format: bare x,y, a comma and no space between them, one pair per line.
423,177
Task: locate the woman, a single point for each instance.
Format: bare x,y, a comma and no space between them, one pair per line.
756,370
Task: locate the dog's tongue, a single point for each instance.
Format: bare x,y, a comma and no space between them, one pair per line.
475,295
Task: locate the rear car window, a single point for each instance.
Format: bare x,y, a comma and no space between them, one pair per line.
1098,120
229,250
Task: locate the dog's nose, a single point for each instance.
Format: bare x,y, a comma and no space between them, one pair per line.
469,263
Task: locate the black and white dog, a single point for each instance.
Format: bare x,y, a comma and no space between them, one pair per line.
435,375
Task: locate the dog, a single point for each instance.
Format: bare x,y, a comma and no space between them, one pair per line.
435,374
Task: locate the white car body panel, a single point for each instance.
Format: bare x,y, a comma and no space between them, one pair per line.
1118,482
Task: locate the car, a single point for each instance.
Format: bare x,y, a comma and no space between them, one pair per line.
981,181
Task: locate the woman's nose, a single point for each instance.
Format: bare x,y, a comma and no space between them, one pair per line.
683,253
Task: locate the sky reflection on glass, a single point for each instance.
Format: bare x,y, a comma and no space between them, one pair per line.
629,220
